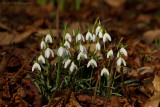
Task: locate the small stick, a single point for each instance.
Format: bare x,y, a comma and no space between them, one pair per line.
70,90
123,85
95,90
110,84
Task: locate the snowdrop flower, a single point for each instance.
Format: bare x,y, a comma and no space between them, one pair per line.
92,62
100,35
104,72
36,66
98,29
43,45
67,63
82,55
89,36
61,51
106,37
80,37
120,61
72,67
98,46
123,51
48,38
41,59
82,49
48,52
94,38
67,45
110,53
68,37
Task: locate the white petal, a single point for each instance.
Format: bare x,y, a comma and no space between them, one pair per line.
110,53
60,52
88,36
79,55
98,46
48,38
43,45
72,67
124,63
80,38
123,51
68,37
67,63
94,62
41,59
104,72
117,54
52,53
94,38
47,53
119,61
100,35
67,45
36,66
97,30
104,38
89,63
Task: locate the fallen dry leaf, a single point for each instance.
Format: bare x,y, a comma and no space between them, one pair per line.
149,36
115,3
156,83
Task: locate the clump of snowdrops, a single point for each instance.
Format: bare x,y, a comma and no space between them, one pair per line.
74,53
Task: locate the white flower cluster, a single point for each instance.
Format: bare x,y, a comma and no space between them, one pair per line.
63,50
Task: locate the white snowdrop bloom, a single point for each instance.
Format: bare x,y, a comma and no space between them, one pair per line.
89,36
41,59
72,67
36,66
110,53
67,63
82,49
92,63
104,72
100,35
106,37
49,52
61,51
48,38
82,55
123,51
68,37
120,61
118,55
80,38
98,29
94,38
67,45
43,45
98,46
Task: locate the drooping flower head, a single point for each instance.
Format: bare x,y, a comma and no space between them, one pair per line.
106,37
41,59
80,38
67,45
68,37
121,61
36,66
61,51
110,53
49,52
122,51
82,56
48,38
98,46
92,63
104,71
89,36
43,45
94,38
73,66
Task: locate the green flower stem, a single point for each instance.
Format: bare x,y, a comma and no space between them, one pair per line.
91,76
58,72
104,49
